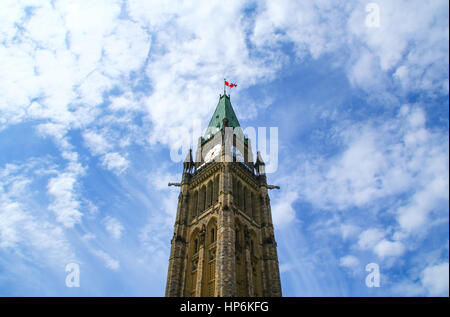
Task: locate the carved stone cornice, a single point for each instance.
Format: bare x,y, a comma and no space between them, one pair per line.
206,172
245,175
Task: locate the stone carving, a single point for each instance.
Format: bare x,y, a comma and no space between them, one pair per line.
202,235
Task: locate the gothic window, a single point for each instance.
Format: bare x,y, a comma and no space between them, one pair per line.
251,205
209,283
209,191
192,267
216,189
193,209
244,199
255,208
201,200
241,197
235,196
211,278
239,194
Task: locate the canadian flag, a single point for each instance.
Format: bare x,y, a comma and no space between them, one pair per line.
231,85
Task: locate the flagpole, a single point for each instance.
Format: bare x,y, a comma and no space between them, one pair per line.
224,88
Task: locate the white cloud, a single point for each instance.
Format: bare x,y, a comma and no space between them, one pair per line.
101,145
125,102
388,248
161,177
369,238
381,160
96,142
55,130
110,263
348,230
9,217
60,60
410,50
154,236
435,279
415,214
366,72
114,227
126,48
31,238
65,204
60,71
282,211
88,236
314,28
25,231
193,52
115,162
349,261
408,288
286,267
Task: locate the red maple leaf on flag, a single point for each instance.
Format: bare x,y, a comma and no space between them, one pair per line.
231,85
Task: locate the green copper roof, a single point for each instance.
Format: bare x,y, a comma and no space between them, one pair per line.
223,110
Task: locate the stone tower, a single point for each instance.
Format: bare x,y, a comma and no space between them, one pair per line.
223,242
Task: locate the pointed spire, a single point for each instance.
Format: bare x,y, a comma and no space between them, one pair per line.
188,163
260,165
224,110
259,159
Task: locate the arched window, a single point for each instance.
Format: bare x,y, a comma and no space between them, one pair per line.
193,209
201,200
209,191
244,199
235,191
250,205
255,208
239,194
209,268
216,189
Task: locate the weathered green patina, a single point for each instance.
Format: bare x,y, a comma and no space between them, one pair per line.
224,110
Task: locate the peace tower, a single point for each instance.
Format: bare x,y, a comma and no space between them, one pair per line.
223,242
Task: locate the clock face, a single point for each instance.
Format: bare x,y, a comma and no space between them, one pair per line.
213,153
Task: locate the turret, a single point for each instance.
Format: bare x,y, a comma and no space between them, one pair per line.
188,165
260,166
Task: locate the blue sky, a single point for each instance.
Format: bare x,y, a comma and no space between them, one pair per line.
94,97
